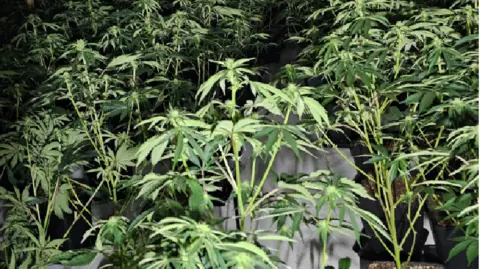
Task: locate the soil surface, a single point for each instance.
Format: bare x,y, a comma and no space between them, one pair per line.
391,265
399,188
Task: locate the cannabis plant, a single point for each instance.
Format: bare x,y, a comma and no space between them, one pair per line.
400,74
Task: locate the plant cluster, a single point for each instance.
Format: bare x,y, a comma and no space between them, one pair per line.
122,88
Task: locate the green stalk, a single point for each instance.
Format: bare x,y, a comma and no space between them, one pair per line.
252,178
84,208
393,225
33,180
270,163
237,162
324,247
239,185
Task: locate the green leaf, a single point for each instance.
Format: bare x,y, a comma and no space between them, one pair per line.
274,237
74,258
298,188
27,263
125,155
82,259
178,150
246,126
393,171
316,110
344,263
206,87
376,159
457,249
291,142
123,59
196,200
427,101
248,247
466,39
472,251
265,90
272,138
140,218
147,147
61,203
13,264
296,222
414,98
157,152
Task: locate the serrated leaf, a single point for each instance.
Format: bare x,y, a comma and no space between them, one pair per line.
457,249
26,264
207,86
13,264
60,203
81,259
196,200
472,251
124,155
178,150
147,147
298,188
246,126
157,152
272,138
317,111
274,237
414,98
427,101
248,247
291,142
123,59
140,218
375,159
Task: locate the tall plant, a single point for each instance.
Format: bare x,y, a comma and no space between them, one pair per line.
396,71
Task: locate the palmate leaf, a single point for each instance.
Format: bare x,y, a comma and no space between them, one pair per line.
152,144
248,247
178,149
124,156
122,60
247,126
291,141
317,111
298,188
275,237
196,200
158,151
73,258
207,86
60,203
151,184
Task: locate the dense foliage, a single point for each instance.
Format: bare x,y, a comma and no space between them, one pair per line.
123,87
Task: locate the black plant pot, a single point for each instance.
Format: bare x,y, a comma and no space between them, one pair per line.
444,237
371,248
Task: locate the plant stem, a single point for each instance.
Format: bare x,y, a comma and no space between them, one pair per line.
239,185
270,163
325,244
